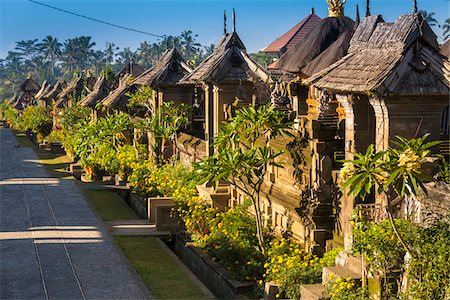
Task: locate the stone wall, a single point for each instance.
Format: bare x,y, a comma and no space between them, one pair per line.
138,205
211,274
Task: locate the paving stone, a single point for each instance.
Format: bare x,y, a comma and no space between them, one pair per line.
51,240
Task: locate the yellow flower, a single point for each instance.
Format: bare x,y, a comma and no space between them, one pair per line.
349,285
260,282
277,296
339,280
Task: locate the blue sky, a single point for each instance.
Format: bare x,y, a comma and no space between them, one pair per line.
259,22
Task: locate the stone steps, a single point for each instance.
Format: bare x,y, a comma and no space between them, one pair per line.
346,266
340,271
313,292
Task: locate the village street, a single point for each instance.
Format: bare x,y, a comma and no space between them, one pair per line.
52,245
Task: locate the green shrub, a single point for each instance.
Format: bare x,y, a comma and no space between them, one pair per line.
37,120
290,266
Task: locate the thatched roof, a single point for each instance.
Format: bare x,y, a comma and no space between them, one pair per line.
445,49
45,88
170,69
74,89
332,54
55,91
228,62
29,86
317,41
117,97
389,58
130,68
294,35
100,91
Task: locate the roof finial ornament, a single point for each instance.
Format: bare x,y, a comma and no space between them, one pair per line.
358,18
312,11
234,21
224,21
335,8
415,6
367,8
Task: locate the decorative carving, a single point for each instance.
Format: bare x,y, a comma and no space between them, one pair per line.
335,8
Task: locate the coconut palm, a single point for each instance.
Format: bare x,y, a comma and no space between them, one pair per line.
28,49
446,28
188,43
429,18
50,48
110,52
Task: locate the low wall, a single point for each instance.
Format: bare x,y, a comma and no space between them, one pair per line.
138,205
216,278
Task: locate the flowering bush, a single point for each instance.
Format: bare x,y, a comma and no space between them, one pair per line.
11,115
344,289
37,120
288,265
167,180
228,237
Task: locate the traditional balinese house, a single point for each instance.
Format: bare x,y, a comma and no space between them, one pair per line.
73,93
163,78
117,99
322,46
51,96
29,88
380,87
130,68
45,89
224,80
100,90
445,49
293,36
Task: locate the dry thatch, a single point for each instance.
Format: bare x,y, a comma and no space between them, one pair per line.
101,90
389,58
118,97
131,68
55,91
445,49
169,70
74,90
332,54
228,63
319,39
45,89
30,86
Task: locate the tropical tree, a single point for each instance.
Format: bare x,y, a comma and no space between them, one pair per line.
27,49
50,48
110,52
243,155
429,18
446,28
188,43
394,173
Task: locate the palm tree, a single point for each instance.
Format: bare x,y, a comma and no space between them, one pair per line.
51,49
446,28
429,18
110,52
144,54
28,49
188,43
85,50
210,49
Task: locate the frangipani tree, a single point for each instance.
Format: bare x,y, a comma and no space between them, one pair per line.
395,172
243,154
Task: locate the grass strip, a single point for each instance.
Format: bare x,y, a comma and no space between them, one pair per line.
160,273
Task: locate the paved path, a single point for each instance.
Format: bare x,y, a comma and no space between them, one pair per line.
52,245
